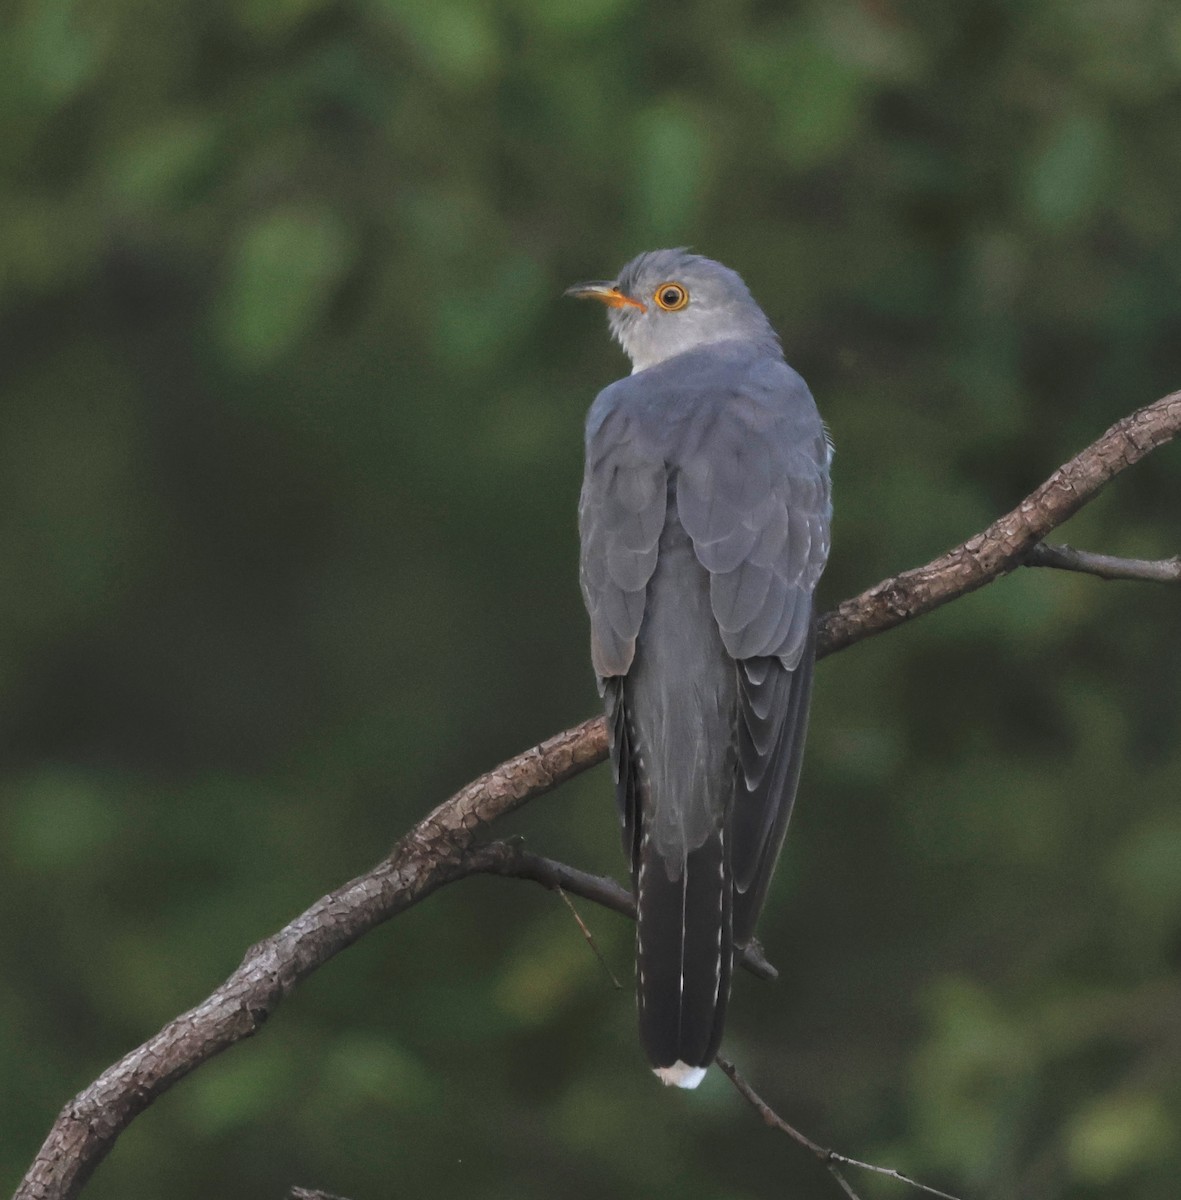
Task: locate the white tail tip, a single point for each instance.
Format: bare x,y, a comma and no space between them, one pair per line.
680,1075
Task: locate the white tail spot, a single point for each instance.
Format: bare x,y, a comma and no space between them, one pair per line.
680,1075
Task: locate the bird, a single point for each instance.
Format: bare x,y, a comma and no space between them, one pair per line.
704,523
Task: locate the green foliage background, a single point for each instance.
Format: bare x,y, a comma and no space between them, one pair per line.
290,442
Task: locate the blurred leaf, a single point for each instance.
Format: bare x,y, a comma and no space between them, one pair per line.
44,244
50,54
58,820
869,37
276,18
969,1076
372,1069
572,17
1117,1134
546,974
1065,181
239,1088
673,172
1146,870
817,97
283,277
479,316
459,40
162,164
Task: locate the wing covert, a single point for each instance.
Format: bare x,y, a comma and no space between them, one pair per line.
621,515
753,494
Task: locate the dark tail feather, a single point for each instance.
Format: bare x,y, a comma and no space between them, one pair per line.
684,957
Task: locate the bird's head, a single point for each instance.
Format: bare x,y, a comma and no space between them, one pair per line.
665,302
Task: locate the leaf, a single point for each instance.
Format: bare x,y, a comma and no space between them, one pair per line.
1116,1135
672,159
284,274
459,41
1066,180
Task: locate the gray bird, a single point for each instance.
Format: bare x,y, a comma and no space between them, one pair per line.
704,521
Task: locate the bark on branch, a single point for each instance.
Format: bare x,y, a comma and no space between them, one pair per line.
436,851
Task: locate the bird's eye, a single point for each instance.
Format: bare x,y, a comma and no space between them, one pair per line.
671,296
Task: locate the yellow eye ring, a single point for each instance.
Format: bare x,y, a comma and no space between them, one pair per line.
671,296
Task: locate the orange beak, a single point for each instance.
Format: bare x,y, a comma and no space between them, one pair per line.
608,293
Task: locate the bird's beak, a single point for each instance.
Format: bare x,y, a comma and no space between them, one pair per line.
606,292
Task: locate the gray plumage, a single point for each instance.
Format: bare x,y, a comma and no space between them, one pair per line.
704,522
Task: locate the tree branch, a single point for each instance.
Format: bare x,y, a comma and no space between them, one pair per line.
830,1158
432,853
1067,558
1005,543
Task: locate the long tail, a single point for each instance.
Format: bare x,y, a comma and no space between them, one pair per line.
684,957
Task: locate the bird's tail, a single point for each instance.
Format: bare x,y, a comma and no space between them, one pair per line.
684,957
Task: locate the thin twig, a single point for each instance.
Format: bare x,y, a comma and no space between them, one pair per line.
772,1118
432,854
830,1158
1105,566
509,859
590,938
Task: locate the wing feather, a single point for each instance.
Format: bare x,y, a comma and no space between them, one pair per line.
754,498
621,514
739,595
770,755
624,766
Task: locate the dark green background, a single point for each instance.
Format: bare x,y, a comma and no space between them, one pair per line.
290,444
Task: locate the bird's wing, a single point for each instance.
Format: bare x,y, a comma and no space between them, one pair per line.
753,494
620,517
